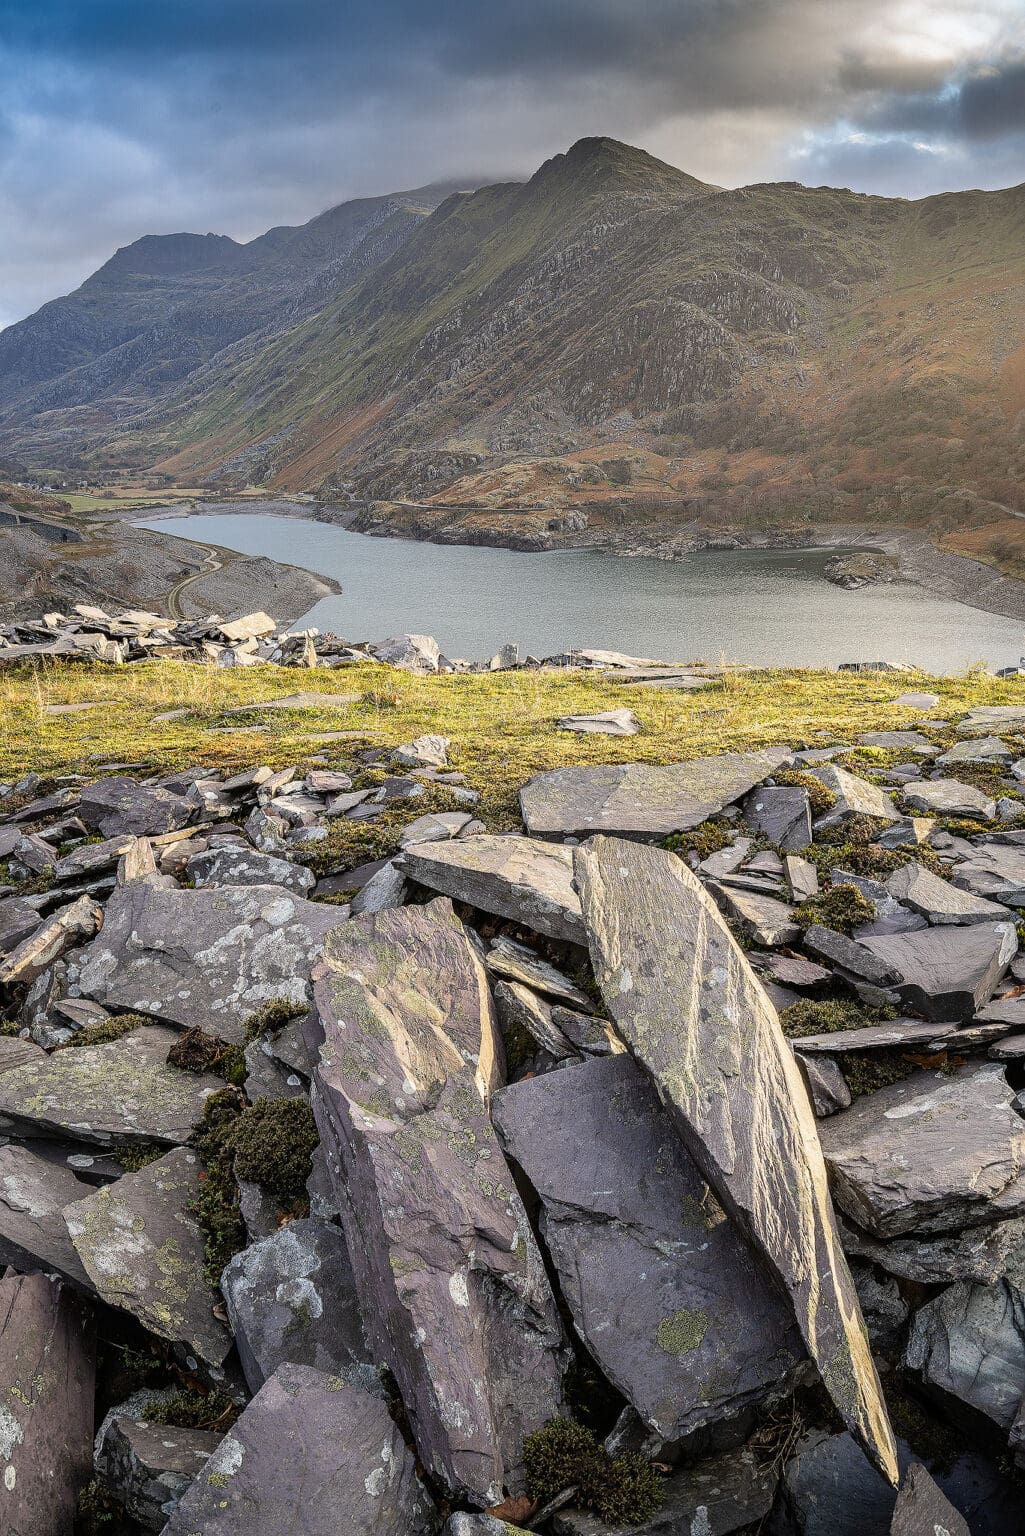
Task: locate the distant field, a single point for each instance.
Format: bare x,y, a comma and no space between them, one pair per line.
91,501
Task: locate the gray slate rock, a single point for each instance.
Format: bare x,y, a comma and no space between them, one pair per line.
947,973
34,1192
517,962
766,920
292,1297
519,1008
826,1085
18,921
309,1455
611,722
245,866
386,888
985,719
203,957
994,871
149,1466
122,1091
948,797
986,1253
922,1510
938,900
47,1382
782,813
854,797
639,799
713,1497
970,1343
874,1037
899,741
519,878
70,925
689,1007
410,653
120,805
978,749
850,954
932,1153
455,1296
705,1334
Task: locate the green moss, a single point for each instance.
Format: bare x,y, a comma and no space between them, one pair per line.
114,1028
853,831
864,1072
841,907
273,1142
216,1207
136,1155
98,1513
351,843
682,1332
820,798
826,1016
194,1410
196,1051
272,1018
708,838
622,1490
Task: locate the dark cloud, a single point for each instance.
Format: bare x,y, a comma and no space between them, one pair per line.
119,117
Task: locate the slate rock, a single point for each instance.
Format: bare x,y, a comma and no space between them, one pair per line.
850,954
518,962
455,1296
47,1381
947,973
713,1497
830,1488
528,881
978,749
938,900
922,701
689,1007
986,1253
122,1091
792,971
312,1455
826,1085
994,871
424,752
518,1008
969,1342
244,866
92,857
909,832
120,805
148,1466
69,926
641,799
480,1525
987,718
782,813
854,797
802,877
922,1510
387,887
895,1033
932,1153
34,1192
949,797
883,1307
292,1297
705,1334
899,741
209,958
766,920
410,653
610,722
18,921
436,827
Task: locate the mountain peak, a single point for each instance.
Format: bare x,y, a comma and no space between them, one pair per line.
603,163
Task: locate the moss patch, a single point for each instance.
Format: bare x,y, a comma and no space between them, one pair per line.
114,1028
621,1490
820,798
274,1141
864,1072
708,838
194,1410
826,1016
272,1018
841,907
196,1051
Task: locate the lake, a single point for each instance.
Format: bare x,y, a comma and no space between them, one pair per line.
756,606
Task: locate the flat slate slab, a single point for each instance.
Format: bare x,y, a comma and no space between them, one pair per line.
243,865
947,973
992,718
986,1253
940,901
689,1007
970,1343
782,813
122,1091
47,1382
932,1153
144,1253
120,805
705,1334
995,871
517,962
149,1466
610,722
854,796
949,797
312,1455
454,1293
874,1037
639,799
209,958
922,1510
768,920
34,1191
520,878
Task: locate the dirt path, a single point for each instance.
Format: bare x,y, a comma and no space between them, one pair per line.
211,562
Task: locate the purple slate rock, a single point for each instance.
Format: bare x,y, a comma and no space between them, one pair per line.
454,1291
922,1510
47,1380
309,1455
704,1334
947,973
292,1297
689,1007
116,805
33,1194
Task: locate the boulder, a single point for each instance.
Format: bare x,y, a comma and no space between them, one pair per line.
939,900
312,1455
854,797
714,1497
118,806
932,1153
949,972
410,653
69,926
611,722
241,865
47,1381
640,799
34,1192
519,878
949,797
292,1297
143,1252
969,1342
922,1510
782,813
455,1296
148,1466
207,958
705,1334
120,1092
689,1007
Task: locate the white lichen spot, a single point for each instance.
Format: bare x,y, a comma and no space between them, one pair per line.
227,1459
10,1478
11,1433
626,981
457,1289
376,1482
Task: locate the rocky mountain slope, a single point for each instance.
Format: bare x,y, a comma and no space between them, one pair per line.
656,1165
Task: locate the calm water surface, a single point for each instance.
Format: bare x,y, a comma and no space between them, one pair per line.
757,606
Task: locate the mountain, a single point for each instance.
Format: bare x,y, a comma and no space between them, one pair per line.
612,337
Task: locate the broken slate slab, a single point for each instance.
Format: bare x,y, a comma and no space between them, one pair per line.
242,865
148,1466
987,1253
292,1297
946,973
144,1253
528,881
120,805
122,1091
517,962
969,1342
689,1007
767,921
782,813
922,1510
992,718
209,958
854,797
899,741
827,1085
712,1497
949,797
456,1300
611,722
894,1034
18,921
69,926
518,1008
640,799
994,871
47,1381
932,1153
851,955
939,900
792,971
34,1192
705,1335
313,1455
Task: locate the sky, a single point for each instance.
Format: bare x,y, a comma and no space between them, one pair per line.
125,117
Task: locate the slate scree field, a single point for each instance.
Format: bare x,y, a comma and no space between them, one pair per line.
576,1094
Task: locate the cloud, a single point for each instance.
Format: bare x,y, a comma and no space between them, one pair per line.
118,119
